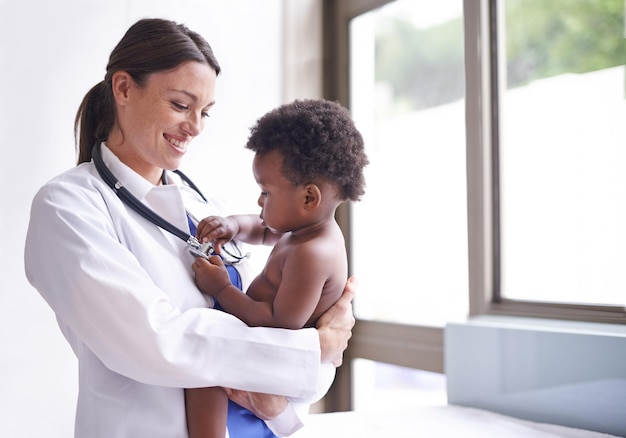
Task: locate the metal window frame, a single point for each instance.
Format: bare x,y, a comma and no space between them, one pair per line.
389,342
412,346
484,22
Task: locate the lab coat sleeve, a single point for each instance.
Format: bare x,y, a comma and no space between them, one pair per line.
294,417
88,272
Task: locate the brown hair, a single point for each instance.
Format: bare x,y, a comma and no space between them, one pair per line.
149,46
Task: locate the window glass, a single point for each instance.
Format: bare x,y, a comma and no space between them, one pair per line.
563,151
385,386
409,233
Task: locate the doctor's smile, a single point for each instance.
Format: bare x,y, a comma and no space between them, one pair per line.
179,145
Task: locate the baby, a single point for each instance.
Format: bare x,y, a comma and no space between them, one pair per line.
309,158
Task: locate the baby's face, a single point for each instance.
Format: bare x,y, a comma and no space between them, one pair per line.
280,200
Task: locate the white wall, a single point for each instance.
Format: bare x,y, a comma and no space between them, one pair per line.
51,53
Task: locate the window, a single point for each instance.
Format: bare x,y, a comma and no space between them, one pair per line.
538,227
409,234
405,78
382,386
542,176
563,151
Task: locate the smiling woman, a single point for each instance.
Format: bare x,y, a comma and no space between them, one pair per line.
61,56
176,101
176,92
123,291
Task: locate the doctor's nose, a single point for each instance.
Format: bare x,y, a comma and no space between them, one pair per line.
193,125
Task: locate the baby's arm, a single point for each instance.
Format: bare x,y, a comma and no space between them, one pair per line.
301,284
247,228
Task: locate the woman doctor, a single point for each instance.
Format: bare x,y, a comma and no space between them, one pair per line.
122,288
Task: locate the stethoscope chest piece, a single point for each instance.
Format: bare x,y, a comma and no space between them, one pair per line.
229,257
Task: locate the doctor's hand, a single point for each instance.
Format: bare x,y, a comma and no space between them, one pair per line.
264,406
335,326
217,229
211,275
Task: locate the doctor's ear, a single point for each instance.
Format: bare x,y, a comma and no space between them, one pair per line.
121,83
312,196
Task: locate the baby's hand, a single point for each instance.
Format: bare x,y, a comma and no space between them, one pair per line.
218,230
211,275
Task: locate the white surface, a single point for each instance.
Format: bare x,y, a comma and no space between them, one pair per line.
432,422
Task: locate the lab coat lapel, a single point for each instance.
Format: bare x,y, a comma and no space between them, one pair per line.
167,202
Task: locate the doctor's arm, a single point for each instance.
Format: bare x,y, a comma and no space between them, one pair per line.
334,329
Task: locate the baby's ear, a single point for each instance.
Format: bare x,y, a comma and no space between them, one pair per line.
312,196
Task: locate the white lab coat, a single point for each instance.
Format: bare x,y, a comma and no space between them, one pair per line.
124,296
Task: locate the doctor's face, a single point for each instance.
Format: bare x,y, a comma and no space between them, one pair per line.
157,122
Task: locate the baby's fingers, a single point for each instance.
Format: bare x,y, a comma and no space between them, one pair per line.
210,229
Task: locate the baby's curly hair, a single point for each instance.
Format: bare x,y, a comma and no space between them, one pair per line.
317,140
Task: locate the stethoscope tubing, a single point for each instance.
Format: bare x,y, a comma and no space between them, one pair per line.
196,248
129,199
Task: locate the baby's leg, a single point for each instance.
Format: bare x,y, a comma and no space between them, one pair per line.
207,411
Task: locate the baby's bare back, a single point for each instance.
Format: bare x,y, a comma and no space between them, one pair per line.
303,276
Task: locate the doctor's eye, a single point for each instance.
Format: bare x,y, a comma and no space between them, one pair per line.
205,114
180,106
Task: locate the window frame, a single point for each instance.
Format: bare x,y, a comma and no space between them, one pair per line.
388,342
485,71
373,340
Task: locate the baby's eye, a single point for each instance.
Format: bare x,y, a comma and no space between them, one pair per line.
205,114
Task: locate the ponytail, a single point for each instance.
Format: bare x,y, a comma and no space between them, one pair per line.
94,120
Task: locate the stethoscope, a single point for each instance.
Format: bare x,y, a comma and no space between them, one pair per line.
196,248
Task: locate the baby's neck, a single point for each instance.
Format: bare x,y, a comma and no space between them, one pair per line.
316,227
